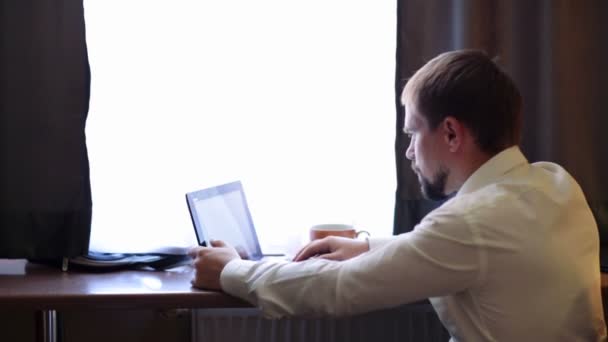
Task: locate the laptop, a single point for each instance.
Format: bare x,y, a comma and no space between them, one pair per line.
221,213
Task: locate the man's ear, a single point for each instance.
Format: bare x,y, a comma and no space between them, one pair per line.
453,132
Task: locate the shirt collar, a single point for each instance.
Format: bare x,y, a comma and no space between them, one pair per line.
493,169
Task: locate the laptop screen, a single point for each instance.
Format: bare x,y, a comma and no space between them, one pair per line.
221,213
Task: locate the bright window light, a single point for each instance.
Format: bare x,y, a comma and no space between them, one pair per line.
293,98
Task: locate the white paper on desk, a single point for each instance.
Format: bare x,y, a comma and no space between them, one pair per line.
12,266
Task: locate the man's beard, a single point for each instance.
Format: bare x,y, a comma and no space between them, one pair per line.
434,189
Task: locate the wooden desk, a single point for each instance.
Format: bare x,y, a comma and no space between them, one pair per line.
36,287
39,287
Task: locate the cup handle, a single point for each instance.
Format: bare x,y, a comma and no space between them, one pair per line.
362,232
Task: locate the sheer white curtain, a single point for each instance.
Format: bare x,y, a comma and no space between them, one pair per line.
293,98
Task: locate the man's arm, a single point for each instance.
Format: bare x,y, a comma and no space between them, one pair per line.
439,257
210,261
332,248
377,242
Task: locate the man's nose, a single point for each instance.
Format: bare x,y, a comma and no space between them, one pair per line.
409,152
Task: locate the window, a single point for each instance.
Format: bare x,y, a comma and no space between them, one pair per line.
293,98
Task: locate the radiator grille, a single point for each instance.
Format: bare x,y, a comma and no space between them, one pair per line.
409,323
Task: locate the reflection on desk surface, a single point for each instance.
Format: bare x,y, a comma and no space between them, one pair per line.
35,278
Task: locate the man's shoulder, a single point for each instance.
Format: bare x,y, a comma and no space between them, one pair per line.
486,198
547,178
452,215
544,187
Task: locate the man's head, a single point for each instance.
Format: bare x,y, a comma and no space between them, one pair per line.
460,110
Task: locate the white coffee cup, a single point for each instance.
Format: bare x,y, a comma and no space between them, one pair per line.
320,231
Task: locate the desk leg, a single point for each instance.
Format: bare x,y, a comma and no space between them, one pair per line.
46,326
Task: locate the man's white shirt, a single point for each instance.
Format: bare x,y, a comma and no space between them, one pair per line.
513,256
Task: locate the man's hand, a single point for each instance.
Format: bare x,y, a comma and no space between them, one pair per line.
209,262
333,248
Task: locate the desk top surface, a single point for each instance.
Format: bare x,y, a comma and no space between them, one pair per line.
31,286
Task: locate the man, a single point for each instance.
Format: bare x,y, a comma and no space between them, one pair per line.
511,256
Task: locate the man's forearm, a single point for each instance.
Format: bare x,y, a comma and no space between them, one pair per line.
281,288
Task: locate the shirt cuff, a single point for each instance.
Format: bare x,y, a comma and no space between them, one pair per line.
378,241
232,278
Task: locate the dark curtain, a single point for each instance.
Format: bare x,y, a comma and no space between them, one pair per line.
45,196
557,53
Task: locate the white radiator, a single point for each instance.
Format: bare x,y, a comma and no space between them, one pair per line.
410,323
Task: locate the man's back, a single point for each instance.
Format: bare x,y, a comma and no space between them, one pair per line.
538,253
